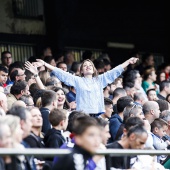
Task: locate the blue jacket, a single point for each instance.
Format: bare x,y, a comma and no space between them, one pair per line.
115,122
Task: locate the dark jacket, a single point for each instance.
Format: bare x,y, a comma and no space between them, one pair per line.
46,124
78,158
53,138
115,122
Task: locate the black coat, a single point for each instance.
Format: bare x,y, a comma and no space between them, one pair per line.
78,158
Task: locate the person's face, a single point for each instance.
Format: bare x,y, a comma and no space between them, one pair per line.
131,92
36,118
167,69
162,77
119,84
161,131
26,125
150,61
30,103
17,135
152,95
107,67
6,140
53,63
108,110
90,140
105,134
31,80
3,77
167,89
153,76
61,97
140,113
7,60
156,110
26,91
21,74
137,141
63,67
87,68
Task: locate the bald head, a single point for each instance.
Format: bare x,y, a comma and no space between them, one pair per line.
151,110
19,103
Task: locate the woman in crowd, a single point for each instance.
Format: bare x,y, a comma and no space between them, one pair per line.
89,87
149,78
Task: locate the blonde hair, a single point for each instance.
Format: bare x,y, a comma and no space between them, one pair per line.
95,74
44,75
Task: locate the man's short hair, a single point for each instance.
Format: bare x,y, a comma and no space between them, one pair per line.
101,122
56,116
118,91
164,84
148,91
18,111
163,104
123,102
137,129
61,62
48,97
4,69
107,101
159,123
132,121
4,53
81,124
17,87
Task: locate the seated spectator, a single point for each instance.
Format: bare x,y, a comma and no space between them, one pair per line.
3,104
158,128
117,119
133,110
147,60
163,105
71,95
59,121
130,89
76,68
3,75
139,98
6,58
49,102
130,141
87,141
18,89
108,109
28,100
117,93
19,103
168,98
151,94
149,79
164,89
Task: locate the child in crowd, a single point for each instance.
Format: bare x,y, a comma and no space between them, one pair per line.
59,121
158,128
87,141
90,85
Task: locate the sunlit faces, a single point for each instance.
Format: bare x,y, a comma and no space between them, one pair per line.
152,96
61,97
3,77
137,141
105,134
36,117
108,110
90,140
87,68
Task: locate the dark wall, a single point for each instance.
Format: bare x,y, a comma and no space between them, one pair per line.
93,23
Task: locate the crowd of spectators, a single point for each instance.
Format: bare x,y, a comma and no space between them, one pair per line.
84,106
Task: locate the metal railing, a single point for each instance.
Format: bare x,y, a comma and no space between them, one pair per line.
60,152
